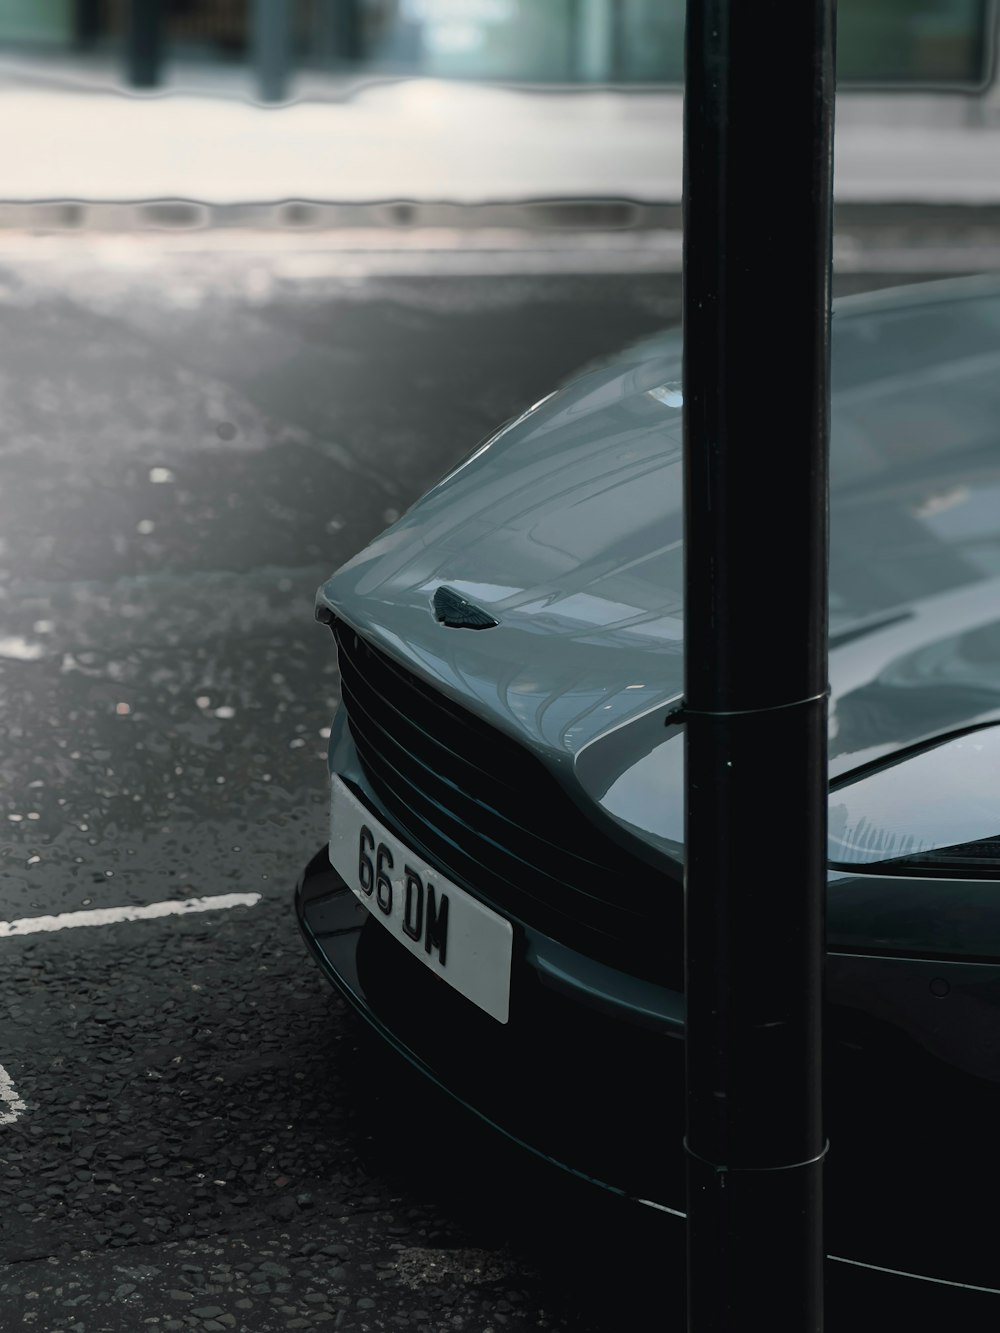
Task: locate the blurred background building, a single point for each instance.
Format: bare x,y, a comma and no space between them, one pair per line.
933,43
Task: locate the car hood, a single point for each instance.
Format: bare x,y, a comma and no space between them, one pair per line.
566,528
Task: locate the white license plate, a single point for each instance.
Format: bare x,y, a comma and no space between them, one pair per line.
456,936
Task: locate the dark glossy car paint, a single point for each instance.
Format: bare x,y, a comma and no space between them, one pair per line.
565,529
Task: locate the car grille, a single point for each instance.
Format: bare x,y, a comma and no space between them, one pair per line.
478,805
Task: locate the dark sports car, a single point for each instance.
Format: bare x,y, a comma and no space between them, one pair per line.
501,897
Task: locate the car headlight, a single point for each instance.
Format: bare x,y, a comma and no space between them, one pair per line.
934,810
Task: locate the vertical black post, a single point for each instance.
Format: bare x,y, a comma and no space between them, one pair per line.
86,24
758,120
272,48
617,60
352,30
143,43
338,28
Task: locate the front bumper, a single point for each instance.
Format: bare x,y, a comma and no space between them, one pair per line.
585,1089
601,1095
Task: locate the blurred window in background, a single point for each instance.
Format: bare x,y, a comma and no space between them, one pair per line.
881,43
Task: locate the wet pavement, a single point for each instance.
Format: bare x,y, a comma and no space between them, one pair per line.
196,1137
194,1132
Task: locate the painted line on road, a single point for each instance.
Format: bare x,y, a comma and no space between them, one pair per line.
109,916
11,1105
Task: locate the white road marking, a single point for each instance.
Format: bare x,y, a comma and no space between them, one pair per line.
108,916
11,1105
19,648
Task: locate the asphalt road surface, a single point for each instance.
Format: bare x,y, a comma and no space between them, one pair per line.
194,1132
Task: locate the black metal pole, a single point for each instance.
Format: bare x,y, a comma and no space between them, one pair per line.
272,48
143,43
758,120
86,24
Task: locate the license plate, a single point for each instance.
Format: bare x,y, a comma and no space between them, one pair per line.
462,941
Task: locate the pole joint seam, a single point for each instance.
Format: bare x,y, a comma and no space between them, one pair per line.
682,712
783,1166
